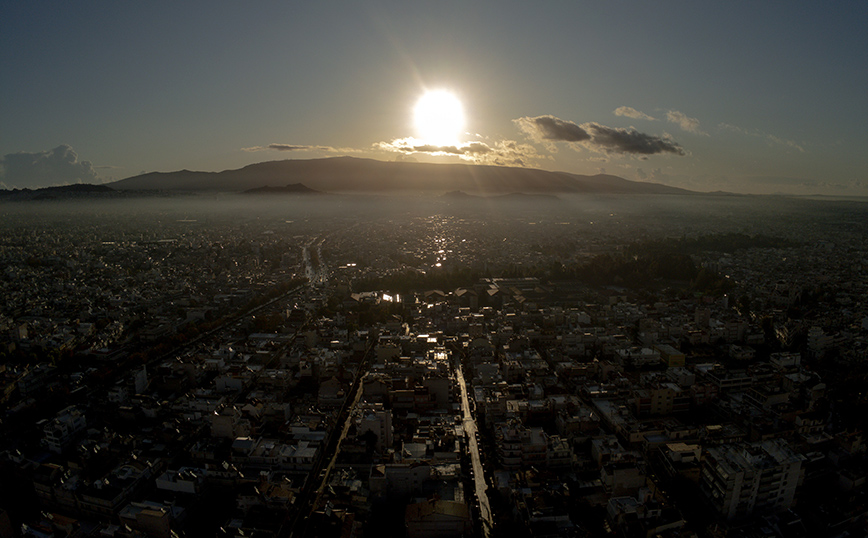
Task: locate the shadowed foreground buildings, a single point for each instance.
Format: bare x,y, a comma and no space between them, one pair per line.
198,393
433,518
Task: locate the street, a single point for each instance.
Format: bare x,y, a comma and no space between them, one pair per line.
478,474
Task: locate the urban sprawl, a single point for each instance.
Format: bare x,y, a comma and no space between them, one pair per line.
698,372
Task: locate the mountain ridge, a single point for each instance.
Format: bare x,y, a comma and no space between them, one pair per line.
353,174
292,188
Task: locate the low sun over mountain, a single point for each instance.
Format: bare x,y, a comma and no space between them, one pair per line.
350,174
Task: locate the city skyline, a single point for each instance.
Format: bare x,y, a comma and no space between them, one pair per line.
741,98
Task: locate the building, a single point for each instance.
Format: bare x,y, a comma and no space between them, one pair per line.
728,380
641,515
670,356
151,518
184,480
661,399
60,432
399,479
379,422
522,447
682,459
437,518
331,393
743,478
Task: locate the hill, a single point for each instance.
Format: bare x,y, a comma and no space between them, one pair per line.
293,188
77,190
350,174
461,197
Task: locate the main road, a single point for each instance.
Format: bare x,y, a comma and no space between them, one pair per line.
478,474
297,523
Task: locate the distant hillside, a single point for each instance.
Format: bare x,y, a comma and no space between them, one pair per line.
461,197
458,196
525,197
294,188
78,190
350,174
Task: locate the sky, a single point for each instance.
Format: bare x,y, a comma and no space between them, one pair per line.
753,97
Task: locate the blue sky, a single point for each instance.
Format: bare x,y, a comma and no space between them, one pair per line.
737,96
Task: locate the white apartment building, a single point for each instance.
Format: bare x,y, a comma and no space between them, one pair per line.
744,478
63,429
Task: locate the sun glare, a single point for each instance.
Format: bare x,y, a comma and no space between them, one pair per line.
439,118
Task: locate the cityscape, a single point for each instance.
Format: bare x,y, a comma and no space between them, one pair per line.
390,269
584,365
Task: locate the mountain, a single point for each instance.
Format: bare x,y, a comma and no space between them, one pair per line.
525,197
458,196
461,196
293,188
350,174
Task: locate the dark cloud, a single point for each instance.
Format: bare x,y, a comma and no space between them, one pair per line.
288,147
58,166
549,127
617,140
297,147
502,152
595,136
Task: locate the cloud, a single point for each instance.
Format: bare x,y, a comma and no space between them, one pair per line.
511,153
412,145
656,175
737,129
502,152
784,142
290,147
631,141
595,137
630,112
684,121
296,147
550,128
772,139
58,166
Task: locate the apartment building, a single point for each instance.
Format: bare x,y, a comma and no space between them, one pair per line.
743,478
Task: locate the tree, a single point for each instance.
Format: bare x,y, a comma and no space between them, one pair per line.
370,439
743,304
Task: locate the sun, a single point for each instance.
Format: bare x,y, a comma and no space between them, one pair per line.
439,118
